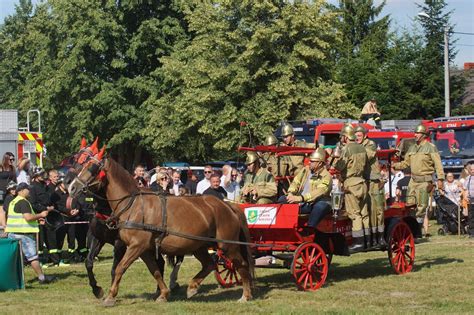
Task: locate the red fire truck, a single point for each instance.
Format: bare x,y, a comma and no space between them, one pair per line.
21,142
454,138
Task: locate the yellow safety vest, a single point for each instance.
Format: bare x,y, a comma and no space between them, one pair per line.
16,222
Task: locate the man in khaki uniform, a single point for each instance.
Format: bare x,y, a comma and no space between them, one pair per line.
271,162
353,164
259,184
424,160
312,187
294,162
375,200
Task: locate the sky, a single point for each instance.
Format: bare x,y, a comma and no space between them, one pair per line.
402,13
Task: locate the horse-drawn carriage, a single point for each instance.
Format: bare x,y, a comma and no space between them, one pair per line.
275,230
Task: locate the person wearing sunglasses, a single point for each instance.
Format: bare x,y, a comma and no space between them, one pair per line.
7,173
161,184
205,183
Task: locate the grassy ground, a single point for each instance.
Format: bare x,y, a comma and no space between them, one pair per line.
442,282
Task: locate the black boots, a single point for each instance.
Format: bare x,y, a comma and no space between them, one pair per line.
381,240
357,245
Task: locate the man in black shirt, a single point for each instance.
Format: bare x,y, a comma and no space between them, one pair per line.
215,189
402,186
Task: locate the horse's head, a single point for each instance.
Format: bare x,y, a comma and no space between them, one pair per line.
85,169
79,159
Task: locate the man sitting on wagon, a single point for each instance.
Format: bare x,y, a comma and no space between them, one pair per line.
259,184
311,188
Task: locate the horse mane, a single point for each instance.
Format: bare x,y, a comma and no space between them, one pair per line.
121,176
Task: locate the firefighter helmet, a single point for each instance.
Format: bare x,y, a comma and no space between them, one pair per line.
271,140
54,220
287,130
318,155
421,129
252,157
11,185
360,128
37,171
348,131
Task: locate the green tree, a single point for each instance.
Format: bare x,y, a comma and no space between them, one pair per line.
259,62
89,66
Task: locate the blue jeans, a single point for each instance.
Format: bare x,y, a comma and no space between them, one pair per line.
317,210
28,245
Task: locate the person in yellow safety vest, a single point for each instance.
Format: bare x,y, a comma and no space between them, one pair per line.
22,225
424,160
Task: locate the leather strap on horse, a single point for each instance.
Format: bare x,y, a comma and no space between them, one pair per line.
165,231
164,220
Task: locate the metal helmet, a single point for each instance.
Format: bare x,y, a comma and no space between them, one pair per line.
54,220
37,171
287,130
360,128
318,155
348,131
11,185
270,140
421,129
252,157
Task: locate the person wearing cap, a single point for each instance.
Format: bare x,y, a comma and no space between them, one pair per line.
295,162
23,225
259,184
376,202
311,188
424,161
352,165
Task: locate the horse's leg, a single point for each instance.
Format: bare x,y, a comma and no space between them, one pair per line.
174,274
150,261
119,251
132,253
95,246
207,266
242,267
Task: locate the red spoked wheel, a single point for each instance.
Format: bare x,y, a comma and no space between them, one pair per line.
401,248
225,273
310,266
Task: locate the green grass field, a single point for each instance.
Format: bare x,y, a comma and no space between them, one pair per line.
442,282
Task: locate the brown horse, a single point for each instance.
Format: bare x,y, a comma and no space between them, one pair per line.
195,218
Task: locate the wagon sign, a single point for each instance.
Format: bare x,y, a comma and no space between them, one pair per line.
261,215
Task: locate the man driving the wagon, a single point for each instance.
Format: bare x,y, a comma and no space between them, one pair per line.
259,184
312,187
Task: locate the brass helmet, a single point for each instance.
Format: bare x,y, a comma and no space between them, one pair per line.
270,140
348,131
421,129
252,157
318,155
287,130
360,128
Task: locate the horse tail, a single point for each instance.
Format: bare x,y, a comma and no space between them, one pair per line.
174,260
244,236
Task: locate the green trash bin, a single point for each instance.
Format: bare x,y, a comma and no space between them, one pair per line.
11,265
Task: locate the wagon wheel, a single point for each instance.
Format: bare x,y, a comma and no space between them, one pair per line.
310,266
441,231
401,248
225,273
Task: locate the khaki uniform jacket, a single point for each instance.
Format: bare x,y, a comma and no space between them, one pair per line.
320,185
262,181
373,173
352,164
424,160
278,166
296,162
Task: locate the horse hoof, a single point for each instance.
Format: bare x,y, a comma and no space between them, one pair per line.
191,293
98,292
108,302
244,299
161,299
174,287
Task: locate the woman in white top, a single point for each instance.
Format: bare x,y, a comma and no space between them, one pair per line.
452,189
22,171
